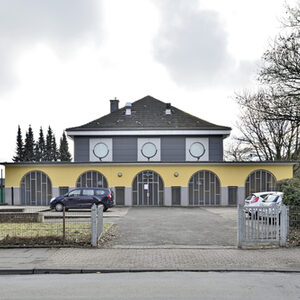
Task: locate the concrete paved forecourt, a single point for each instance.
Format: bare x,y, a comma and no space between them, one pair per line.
138,286
171,226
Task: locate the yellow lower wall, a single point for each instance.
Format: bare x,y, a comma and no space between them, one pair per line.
67,175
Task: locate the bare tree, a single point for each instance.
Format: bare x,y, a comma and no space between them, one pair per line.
281,68
237,151
270,138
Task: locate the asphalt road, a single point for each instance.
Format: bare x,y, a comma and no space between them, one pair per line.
139,286
156,226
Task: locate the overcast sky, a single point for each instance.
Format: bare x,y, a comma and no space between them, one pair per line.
61,61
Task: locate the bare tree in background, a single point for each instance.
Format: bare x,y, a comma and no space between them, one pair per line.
269,138
237,151
281,68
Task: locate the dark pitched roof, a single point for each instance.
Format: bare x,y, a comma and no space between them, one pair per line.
148,113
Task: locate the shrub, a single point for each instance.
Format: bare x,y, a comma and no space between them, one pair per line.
291,190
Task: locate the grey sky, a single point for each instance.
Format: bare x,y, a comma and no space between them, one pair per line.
59,23
192,44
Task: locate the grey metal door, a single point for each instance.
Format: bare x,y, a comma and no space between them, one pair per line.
176,195
120,195
148,189
232,195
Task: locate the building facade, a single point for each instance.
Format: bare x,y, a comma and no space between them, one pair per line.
151,154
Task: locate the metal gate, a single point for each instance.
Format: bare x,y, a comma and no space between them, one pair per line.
204,189
262,224
260,181
147,189
36,189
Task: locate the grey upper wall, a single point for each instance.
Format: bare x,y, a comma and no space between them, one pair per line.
125,148
81,149
216,148
172,148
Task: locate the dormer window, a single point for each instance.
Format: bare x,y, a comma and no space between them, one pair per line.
128,109
168,109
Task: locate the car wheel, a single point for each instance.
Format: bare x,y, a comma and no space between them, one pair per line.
105,208
59,207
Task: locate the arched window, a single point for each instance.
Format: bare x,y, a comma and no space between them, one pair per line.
147,189
260,181
204,189
36,189
92,179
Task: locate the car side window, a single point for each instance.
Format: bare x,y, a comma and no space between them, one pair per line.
74,193
99,192
87,192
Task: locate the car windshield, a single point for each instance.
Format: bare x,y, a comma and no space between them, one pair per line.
272,198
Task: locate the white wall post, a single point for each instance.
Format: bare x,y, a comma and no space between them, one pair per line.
283,226
100,221
94,240
240,226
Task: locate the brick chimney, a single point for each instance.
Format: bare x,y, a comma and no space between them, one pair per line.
114,105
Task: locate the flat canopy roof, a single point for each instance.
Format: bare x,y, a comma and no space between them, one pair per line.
61,163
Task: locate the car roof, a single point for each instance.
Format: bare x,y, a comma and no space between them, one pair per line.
277,194
90,188
264,193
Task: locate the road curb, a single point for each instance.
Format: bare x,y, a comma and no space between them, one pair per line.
107,271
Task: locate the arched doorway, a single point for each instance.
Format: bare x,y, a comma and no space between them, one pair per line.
148,189
92,179
260,181
204,189
36,189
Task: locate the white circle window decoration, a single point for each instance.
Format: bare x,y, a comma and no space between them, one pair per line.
149,150
100,150
197,150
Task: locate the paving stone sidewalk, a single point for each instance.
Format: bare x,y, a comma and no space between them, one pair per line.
155,259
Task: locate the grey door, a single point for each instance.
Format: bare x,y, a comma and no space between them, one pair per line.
232,195
176,195
148,189
120,195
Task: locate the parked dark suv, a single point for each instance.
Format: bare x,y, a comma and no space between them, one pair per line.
83,198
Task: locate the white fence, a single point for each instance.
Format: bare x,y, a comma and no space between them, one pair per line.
262,225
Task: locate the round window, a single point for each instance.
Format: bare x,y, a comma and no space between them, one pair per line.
149,150
197,150
100,150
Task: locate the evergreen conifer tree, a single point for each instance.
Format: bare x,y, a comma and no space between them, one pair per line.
48,152
29,146
40,147
20,147
54,151
64,153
